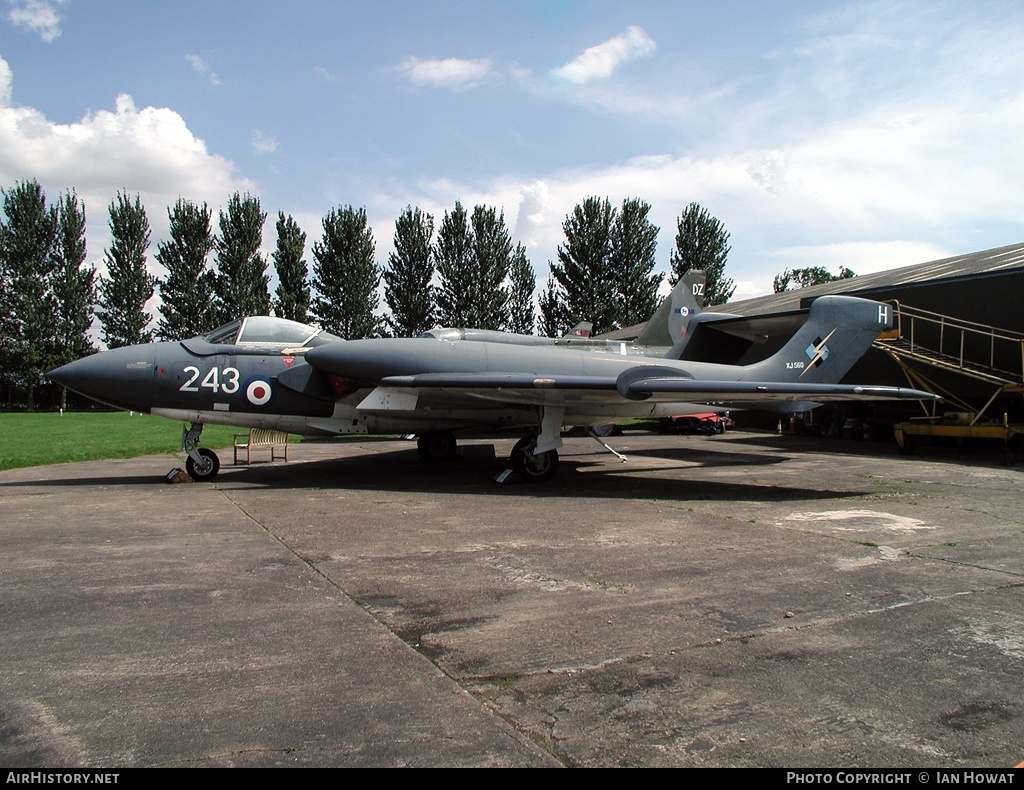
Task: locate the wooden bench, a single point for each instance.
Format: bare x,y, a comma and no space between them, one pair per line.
261,439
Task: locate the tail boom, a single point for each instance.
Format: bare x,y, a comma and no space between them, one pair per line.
838,330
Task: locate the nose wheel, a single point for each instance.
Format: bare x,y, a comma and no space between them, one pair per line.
202,464
206,468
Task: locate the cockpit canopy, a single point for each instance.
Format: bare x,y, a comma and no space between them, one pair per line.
265,330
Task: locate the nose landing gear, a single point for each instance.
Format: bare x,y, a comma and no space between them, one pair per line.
202,464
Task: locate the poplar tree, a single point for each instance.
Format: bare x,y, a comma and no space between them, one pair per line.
293,292
633,245
473,258
453,254
554,316
521,314
346,276
27,304
74,288
407,280
490,261
187,295
586,281
128,285
242,285
702,243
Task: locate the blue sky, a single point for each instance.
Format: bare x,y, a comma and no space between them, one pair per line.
863,134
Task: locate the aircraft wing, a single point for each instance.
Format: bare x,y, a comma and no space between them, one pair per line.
755,391
650,383
476,381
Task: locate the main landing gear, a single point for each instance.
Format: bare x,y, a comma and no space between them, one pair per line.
437,446
202,464
531,466
535,458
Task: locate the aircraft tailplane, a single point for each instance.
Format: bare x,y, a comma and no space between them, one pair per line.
838,330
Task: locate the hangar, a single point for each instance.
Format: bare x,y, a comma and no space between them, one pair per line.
959,332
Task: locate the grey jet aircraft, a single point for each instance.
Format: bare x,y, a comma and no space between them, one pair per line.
268,372
680,325
661,332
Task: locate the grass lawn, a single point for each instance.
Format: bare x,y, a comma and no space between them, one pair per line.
50,438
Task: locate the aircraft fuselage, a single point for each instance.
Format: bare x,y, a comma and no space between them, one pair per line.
198,382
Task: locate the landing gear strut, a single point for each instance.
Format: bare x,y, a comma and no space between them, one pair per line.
596,435
202,464
531,466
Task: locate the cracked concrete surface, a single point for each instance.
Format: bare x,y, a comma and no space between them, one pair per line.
745,600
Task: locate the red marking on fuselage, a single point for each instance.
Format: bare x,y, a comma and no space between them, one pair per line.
339,385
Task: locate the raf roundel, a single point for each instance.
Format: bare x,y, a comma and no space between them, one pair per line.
258,392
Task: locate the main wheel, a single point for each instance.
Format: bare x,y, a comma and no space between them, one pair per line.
437,445
207,469
534,467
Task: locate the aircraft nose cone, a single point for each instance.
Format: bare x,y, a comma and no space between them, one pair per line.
74,375
122,378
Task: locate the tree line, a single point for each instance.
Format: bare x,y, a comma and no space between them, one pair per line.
465,272
795,279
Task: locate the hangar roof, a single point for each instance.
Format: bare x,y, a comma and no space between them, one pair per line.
975,265
986,263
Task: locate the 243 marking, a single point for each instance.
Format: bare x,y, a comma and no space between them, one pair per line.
217,379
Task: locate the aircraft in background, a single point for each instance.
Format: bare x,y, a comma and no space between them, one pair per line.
662,331
263,372
681,325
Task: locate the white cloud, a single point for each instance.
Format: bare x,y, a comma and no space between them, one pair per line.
326,75
867,197
149,151
453,73
263,143
6,83
875,140
37,16
200,66
600,62
532,208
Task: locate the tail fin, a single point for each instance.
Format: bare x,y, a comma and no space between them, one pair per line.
669,320
582,329
838,330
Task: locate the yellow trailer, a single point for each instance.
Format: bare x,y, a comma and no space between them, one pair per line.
907,433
